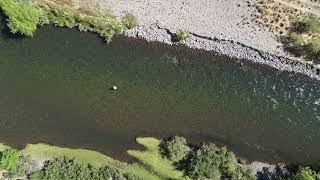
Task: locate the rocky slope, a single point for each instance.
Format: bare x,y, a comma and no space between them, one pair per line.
224,26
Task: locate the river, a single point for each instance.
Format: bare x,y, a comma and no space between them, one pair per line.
55,88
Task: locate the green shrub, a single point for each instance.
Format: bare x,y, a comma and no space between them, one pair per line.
211,161
314,46
311,24
24,166
181,35
9,159
174,148
296,40
22,16
129,20
242,173
65,168
305,173
129,176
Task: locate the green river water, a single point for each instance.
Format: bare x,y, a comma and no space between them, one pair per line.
55,88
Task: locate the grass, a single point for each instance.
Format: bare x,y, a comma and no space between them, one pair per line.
22,16
150,166
47,152
181,35
152,160
25,16
129,20
141,172
105,25
296,40
311,24
87,18
314,46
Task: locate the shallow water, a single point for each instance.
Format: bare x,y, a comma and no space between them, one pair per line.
54,88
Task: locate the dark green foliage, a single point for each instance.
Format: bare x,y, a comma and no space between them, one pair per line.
22,16
129,21
181,35
131,177
174,148
305,173
212,162
242,173
65,168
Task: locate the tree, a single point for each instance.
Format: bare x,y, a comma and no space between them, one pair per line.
22,16
211,161
305,173
9,159
66,168
174,148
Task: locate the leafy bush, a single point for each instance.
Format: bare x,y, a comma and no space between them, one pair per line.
174,148
23,16
296,40
131,177
61,19
24,166
311,24
129,21
214,162
181,35
314,46
305,41
305,173
65,168
9,159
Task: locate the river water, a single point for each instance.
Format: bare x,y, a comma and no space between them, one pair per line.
55,88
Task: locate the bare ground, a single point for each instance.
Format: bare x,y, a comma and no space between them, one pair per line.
226,27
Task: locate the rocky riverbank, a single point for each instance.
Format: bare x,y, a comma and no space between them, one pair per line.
226,27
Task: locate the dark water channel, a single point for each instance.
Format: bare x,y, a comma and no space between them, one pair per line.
54,88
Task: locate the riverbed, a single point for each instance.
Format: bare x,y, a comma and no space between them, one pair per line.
55,89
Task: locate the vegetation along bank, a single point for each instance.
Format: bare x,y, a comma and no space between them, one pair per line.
172,158
180,22
24,17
